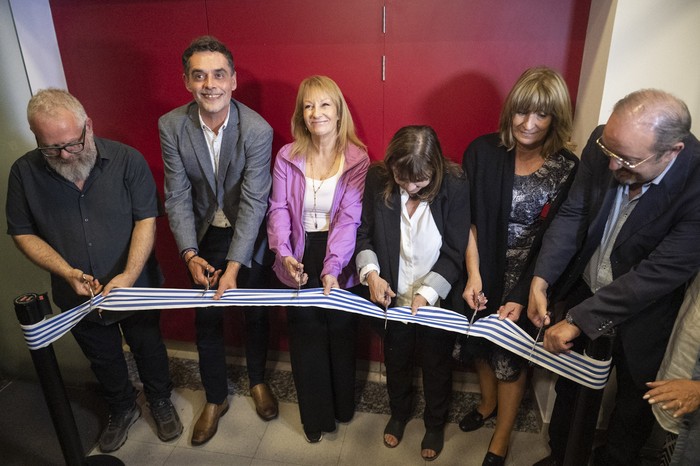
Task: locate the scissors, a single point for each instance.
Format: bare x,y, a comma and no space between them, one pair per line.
386,317
206,288
92,296
537,338
299,283
477,300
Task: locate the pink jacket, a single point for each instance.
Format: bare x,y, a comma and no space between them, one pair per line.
285,228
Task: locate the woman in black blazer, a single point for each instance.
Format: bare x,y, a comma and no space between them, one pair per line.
518,178
410,251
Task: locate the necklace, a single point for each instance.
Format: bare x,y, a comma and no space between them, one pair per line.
315,189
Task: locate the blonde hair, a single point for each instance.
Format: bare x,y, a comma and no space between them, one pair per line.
539,90
346,127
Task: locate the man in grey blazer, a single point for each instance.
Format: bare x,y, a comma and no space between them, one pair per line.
620,252
216,155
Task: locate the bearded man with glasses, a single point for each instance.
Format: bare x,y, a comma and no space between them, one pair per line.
84,209
619,254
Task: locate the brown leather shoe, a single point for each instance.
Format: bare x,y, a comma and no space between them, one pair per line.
265,402
208,422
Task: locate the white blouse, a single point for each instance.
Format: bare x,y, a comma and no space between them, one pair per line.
318,201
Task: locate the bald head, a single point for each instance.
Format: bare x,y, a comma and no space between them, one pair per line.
659,112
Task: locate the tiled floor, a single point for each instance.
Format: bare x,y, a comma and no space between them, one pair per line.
244,439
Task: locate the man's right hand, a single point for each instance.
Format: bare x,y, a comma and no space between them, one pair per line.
82,283
537,304
198,267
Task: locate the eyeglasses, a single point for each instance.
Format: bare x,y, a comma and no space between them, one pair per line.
619,159
71,147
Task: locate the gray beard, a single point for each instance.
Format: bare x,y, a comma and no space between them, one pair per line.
77,170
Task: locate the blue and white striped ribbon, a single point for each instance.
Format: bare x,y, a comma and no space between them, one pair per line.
505,333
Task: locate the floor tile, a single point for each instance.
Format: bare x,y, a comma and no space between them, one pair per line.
284,441
364,446
191,457
136,453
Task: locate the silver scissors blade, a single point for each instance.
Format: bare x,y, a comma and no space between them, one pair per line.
537,338
477,300
206,288
92,297
386,316
471,321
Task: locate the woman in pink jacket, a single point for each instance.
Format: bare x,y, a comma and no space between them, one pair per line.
315,209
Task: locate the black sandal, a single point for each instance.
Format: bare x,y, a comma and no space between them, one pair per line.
433,440
394,427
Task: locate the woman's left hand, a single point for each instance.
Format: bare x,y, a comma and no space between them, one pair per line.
511,311
329,281
682,396
418,301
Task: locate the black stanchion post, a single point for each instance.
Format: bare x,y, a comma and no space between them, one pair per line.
30,309
581,435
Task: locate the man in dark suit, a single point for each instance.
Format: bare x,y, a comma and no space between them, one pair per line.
620,253
216,155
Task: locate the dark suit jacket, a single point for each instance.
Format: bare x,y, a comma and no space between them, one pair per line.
654,256
191,195
378,238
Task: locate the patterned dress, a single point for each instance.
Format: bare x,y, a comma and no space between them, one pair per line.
532,197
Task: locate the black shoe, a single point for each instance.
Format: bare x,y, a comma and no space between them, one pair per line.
474,420
313,437
492,459
394,427
167,421
114,435
433,440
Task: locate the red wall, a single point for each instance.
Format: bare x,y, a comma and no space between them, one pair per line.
449,63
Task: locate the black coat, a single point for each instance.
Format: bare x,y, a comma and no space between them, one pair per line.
655,254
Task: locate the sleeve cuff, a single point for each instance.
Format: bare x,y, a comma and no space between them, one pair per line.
366,270
429,294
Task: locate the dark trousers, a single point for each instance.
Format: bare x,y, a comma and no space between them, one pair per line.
631,420
402,343
322,352
209,323
102,345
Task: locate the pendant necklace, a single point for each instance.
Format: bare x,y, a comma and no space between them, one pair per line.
316,190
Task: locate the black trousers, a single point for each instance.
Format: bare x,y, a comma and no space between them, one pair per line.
322,352
631,420
102,345
209,323
408,345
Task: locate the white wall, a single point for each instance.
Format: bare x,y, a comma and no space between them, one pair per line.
635,44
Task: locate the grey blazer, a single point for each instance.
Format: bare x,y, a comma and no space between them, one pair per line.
191,195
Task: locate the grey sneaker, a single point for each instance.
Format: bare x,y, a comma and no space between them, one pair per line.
167,421
114,435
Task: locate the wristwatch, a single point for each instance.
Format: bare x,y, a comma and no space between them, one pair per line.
570,319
